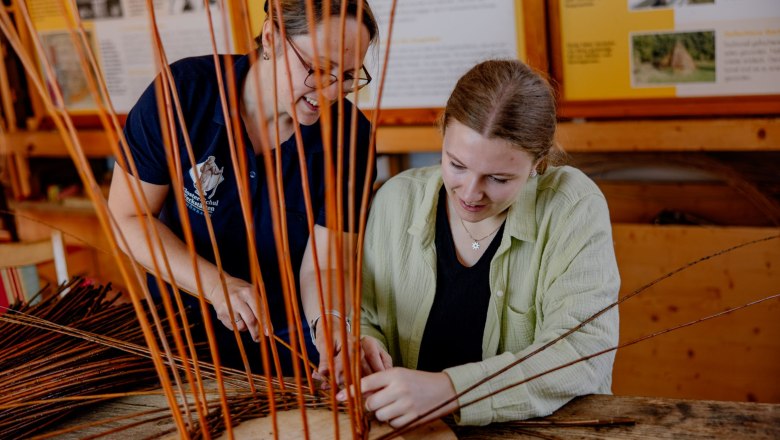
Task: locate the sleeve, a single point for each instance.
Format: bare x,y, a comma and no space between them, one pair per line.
578,277
369,315
144,138
364,165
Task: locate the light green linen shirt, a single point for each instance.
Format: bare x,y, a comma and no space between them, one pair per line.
554,268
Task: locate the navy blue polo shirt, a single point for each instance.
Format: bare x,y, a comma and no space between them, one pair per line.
198,91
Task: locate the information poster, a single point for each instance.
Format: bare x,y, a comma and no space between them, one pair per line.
434,43
635,49
120,35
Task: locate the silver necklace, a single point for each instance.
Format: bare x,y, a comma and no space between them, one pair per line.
475,242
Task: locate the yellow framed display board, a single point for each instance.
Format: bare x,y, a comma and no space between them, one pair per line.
666,57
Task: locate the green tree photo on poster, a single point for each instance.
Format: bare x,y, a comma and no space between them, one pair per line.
677,57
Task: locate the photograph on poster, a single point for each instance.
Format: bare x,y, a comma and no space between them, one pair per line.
97,9
182,6
62,54
672,57
645,4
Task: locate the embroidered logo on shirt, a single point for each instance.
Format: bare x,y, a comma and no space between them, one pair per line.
210,176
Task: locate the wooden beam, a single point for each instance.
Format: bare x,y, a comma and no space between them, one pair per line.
750,134
409,139
49,143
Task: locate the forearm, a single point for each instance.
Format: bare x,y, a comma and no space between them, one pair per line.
330,296
326,282
169,249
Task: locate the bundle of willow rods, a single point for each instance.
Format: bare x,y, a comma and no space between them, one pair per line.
39,367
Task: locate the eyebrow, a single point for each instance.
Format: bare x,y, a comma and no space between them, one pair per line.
322,62
453,157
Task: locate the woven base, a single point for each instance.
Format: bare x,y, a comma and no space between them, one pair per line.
320,423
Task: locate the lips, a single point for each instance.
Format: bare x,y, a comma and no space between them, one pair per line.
471,208
311,103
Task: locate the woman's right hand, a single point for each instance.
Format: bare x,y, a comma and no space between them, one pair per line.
244,304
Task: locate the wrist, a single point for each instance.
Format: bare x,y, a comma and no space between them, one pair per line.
334,313
215,289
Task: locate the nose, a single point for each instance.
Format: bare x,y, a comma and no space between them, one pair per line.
331,92
472,190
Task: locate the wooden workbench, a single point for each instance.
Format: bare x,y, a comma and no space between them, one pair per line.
653,417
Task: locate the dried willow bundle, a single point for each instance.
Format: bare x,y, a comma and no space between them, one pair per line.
39,367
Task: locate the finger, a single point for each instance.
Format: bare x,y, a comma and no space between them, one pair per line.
375,381
403,420
323,368
242,326
338,373
364,366
385,405
387,361
323,379
375,361
252,301
248,321
239,322
226,321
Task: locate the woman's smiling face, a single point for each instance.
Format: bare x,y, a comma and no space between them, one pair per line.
482,176
303,98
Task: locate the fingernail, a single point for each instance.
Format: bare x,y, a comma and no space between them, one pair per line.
341,396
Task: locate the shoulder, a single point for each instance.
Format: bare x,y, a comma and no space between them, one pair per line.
569,199
409,184
198,75
400,196
566,185
194,67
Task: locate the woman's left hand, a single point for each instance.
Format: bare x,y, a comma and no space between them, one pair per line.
399,395
323,372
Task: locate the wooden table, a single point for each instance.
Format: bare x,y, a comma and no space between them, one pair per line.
653,417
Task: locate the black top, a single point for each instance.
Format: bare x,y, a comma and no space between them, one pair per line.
207,125
453,334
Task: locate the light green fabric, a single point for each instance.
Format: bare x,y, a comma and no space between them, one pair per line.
554,268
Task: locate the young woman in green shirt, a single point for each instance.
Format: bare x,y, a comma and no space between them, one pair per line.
475,263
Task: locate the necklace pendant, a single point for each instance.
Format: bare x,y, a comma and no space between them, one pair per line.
475,246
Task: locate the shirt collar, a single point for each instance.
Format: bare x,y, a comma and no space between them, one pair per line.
520,220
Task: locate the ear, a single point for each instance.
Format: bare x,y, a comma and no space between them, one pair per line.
267,31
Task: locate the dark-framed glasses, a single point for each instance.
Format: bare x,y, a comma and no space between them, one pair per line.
351,82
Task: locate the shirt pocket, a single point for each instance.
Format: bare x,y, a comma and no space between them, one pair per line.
518,329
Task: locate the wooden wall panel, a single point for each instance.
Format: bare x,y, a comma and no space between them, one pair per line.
736,357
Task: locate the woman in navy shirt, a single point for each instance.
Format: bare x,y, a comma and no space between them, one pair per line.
207,127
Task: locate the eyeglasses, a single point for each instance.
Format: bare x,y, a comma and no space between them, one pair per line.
351,83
